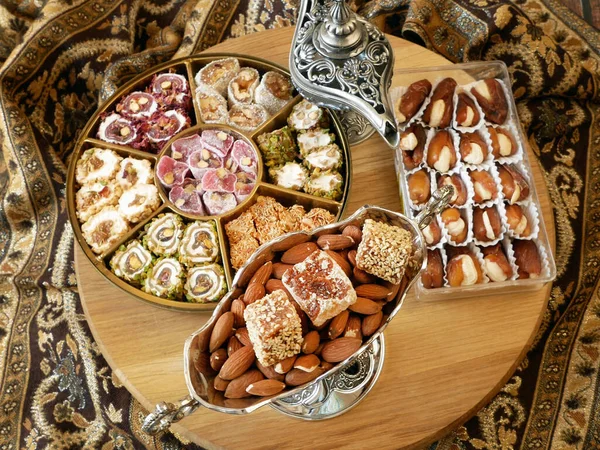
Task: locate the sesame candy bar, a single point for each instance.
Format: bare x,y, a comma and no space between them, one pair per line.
274,328
384,250
320,287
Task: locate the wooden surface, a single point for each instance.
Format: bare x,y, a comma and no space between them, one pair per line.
444,359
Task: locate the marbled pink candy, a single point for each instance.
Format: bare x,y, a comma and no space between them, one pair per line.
219,203
187,200
244,185
214,162
186,146
168,165
219,180
213,142
244,155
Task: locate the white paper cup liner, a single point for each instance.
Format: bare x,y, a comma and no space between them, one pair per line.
455,125
430,134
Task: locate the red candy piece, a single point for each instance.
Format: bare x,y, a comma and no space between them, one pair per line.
217,141
186,146
244,155
219,180
219,203
171,172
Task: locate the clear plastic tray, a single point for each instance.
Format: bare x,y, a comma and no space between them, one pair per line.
466,74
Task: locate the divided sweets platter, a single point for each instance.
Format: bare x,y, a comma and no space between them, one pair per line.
154,200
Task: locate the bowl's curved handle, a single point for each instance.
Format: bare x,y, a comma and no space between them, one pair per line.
167,413
438,201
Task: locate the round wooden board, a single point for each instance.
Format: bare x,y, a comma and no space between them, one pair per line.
444,359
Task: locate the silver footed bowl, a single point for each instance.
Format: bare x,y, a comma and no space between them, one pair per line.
336,390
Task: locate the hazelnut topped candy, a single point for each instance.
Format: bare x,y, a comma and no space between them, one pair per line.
517,220
487,225
473,148
495,264
441,154
467,114
419,187
439,110
463,269
410,102
432,233
503,142
459,198
527,258
491,98
483,185
455,225
433,275
412,144
514,185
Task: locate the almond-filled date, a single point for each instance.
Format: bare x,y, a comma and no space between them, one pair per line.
412,144
514,185
472,147
491,98
527,258
455,225
517,220
460,191
433,275
463,269
439,110
483,185
487,224
441,154
495,263
467,114
410,102
419,187
432,233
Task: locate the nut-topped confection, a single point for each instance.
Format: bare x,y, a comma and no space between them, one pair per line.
274,328
320,287
384,250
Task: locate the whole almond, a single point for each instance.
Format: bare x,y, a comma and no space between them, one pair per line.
371,324
254,292
311,342
307,363
296,377
220,384
264,388
338,324
237,308
269,372
363,277
202,364
352,257
339,349
372,291
341,261
285,365
237,387
334,242
353,327
365,306
221,332
393,288
279,269
354,232
233,345
237,363
263,273
243,337
218,358
275,285
299,253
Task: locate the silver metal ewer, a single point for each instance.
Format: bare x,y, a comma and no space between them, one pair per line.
340,61
337,390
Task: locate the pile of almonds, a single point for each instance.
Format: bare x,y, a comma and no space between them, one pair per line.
230,358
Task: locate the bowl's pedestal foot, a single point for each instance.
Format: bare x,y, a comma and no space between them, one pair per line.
339,392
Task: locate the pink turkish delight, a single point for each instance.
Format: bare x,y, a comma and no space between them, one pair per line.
217,141
219,180
171,172
219,203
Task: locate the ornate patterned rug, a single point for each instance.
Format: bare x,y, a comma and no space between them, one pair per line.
59,58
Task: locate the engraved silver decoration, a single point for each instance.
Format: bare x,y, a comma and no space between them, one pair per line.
335,391
357,128
341,61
